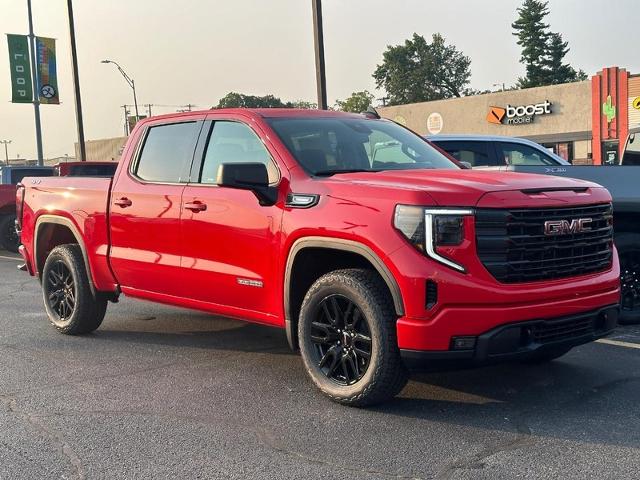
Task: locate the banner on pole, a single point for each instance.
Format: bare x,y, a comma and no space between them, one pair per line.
21,84
47,72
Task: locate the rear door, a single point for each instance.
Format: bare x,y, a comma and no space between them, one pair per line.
230,241
146,205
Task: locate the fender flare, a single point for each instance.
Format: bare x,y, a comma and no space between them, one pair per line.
342,245
64,221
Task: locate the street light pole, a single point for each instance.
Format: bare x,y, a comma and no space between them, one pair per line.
131,83
76,83
36,94
6,150
318,36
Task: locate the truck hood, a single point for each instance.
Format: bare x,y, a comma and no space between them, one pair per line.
466,188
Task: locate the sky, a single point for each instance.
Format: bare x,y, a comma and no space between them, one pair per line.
196,51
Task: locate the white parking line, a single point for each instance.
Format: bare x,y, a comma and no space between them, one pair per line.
17,259
618,343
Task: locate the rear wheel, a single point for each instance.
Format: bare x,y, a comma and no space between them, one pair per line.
628,245
71,306
8,236
348,339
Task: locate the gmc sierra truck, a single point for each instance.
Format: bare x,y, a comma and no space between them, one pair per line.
622,181
287,218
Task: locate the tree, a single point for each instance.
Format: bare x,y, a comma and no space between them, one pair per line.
358,102
533,38
240,100
419,71
302,104
558,71
543,52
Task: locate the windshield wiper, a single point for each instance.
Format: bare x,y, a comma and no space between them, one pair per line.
328,173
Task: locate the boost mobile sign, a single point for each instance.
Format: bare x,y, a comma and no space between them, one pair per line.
519,115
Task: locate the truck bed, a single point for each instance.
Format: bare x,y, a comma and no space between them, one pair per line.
83,203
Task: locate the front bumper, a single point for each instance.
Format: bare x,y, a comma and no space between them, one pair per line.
522,340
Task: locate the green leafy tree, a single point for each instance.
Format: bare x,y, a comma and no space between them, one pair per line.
240,100
358,102
419,71
543,52
302,104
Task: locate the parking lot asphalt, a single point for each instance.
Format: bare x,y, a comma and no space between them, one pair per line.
159,392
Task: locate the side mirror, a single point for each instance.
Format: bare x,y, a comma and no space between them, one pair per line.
466,165
248,176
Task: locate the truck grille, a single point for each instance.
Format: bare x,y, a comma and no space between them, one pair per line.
513,246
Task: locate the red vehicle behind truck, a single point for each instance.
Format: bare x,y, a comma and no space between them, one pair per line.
290,218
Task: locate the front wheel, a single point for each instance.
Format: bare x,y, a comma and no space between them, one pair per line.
348,338
628,245
8,235
71,305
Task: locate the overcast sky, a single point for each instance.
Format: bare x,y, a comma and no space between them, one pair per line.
195,51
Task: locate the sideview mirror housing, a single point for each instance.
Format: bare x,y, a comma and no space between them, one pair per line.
248,176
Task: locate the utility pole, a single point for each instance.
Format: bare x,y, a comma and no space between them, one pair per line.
126,120
76,83
36,93
318,36
149,105
6,151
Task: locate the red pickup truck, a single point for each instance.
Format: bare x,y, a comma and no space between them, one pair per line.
290,218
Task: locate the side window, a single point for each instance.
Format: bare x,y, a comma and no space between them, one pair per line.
516,154
166,151
475,153
235,142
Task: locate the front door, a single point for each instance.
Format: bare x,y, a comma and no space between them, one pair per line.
229,239
146,204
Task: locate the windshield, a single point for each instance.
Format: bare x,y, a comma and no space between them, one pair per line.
333,145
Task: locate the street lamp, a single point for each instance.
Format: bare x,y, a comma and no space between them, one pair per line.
130,82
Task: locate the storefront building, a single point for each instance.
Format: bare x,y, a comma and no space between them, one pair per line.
583,122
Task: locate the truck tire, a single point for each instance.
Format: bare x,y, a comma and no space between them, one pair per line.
71,306
9,237
347,332
628,245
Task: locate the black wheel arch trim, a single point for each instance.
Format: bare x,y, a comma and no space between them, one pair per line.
342,245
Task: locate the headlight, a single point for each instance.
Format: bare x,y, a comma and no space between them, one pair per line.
430,228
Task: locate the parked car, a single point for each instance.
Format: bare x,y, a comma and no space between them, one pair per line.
291,218
86,169
631,154
520,155
10,176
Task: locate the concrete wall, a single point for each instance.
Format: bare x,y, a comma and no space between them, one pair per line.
571,113
107,149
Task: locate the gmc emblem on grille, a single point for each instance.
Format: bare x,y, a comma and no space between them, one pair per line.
564,227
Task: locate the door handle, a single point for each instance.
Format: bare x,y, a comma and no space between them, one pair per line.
123,202
196,206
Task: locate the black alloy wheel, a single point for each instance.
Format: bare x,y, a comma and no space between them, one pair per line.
630,281
60,290
342,340
8,234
